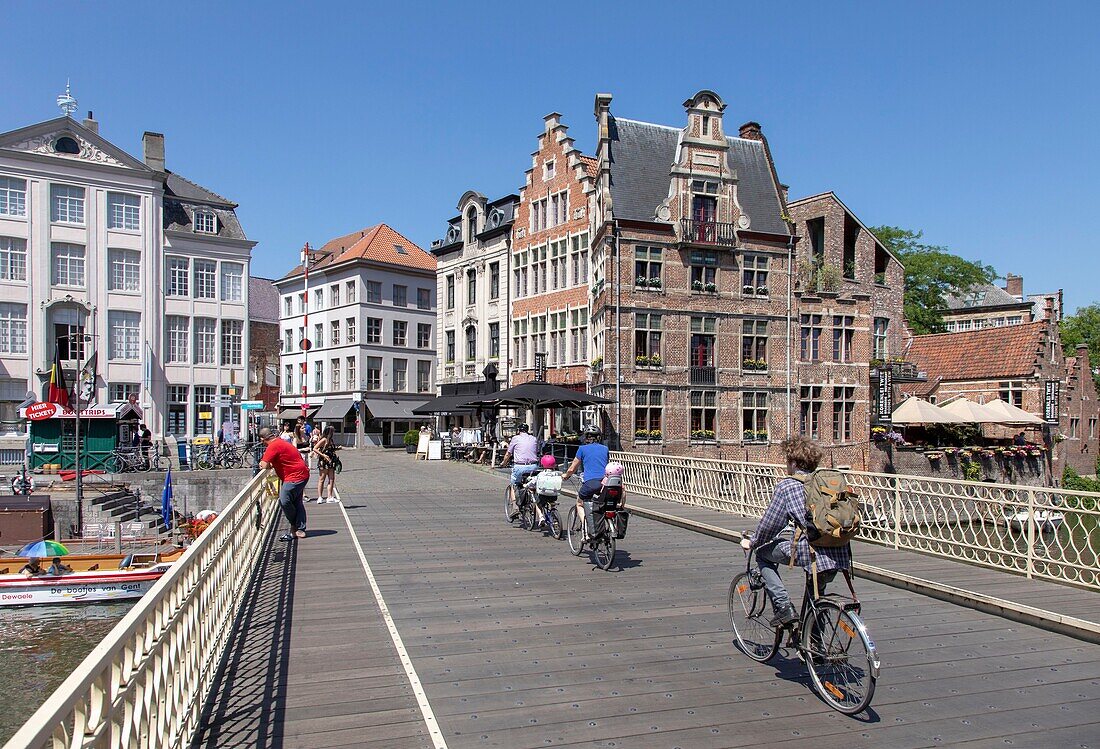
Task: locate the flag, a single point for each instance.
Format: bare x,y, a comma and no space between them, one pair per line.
166,500
86,382
58,392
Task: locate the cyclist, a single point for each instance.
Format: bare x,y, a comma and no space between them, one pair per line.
546,463
592,458
788,505
523,452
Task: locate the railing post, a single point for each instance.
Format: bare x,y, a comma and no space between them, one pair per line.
897,513
1031,533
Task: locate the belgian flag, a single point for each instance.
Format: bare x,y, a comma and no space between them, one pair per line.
58,391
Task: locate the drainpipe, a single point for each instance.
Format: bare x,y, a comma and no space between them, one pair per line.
618,338
790,302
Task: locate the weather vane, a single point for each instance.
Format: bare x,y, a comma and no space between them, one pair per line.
66,102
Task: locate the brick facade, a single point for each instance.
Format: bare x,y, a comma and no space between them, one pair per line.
1081,415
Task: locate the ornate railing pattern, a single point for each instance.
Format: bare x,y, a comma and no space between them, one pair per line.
1035,531
146,683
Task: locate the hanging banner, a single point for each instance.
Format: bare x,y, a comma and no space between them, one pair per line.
540,367
885,396
1051,401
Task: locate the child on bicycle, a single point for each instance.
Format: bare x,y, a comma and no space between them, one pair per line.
787,507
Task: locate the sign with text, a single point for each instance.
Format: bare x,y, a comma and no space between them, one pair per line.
540,366
1051,400
885,395
252,405
40,411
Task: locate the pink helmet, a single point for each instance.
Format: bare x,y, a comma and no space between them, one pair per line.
614,469
548,461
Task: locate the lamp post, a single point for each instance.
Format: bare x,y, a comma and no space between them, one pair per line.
81,337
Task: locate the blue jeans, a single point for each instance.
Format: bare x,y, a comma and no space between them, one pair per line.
769,558
290,499
519,471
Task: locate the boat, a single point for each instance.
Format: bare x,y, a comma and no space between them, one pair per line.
1046,521
95,578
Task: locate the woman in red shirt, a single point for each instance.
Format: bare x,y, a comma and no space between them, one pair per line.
293,472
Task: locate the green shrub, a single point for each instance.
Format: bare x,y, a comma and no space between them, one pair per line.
1071,480
412,437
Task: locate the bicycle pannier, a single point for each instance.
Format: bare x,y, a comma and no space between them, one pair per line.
622,517
832,509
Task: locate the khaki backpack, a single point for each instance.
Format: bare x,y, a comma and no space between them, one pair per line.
832,509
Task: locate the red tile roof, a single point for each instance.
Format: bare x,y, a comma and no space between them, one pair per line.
591,166
989,353
378,243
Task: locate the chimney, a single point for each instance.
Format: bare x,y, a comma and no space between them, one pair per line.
751,131
1014,285
90,123
152,149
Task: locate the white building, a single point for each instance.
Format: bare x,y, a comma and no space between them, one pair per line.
152,266
472,285
371,333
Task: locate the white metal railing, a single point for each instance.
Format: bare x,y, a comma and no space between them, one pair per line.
1035,531
145,684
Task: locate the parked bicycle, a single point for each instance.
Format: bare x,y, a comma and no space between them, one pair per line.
127,460
611,519
237,455
829,636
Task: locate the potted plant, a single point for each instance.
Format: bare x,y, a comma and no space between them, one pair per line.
702,434
654,283
933,456
749,435
641,282
412,439
712,288
654,360
761,290
641,435
748,289
597,364
762,435
655,435
697,286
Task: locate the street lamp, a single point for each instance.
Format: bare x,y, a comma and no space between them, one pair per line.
81,337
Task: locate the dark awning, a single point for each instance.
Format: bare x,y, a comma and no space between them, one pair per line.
289,413
334,409
540,395
447,404
391,410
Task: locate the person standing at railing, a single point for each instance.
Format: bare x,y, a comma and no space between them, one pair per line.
292,471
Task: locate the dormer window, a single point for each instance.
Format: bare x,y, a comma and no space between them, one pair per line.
68,145
548,170
704,187
205,221
471,225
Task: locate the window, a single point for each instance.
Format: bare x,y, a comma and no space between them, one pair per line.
400,295
288,304
494,280
815,227
123,211
450,291
647,339
125,332
882,261
701,353
548,170
177,410
374,330
1074,426
423,298
205,274
204,394
423,335
520,274
334,294
423,376
178,331
179,272
471,286
374,373
471,343
557,338
810,411
400,333
119,392
13,197
301,303
449,337
350,369
578,335
318,335
879,347
1012,393
494,340
288,378
471,225
400,375
13,328
810,349
334,373
350,326
647,415
1015,319
334,333
704,187
704,267
538,215
647,267
288,341
205,340
754,346
319,299
558,265
842,338
13,259
579,259
851,235
349,289
844,405
68,264
232,342
205,221
754,275
319,376
754,416
374,292
67,204
1092,428
704,410
232,277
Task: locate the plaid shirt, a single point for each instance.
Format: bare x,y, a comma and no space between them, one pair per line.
788,506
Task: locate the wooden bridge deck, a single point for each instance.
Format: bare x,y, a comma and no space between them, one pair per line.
519,644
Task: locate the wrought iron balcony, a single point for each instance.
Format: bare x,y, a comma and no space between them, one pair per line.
703,375
707,232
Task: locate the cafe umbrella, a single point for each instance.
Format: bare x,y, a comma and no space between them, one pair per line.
534,395
40,549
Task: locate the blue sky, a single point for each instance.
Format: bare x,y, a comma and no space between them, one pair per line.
975,122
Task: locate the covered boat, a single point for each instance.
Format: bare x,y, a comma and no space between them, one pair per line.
95,578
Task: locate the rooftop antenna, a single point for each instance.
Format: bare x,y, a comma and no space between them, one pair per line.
66,102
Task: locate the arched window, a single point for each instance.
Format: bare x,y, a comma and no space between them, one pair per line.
65,144
471,343
471,225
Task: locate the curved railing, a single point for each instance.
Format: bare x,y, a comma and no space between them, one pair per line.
145,684
1034,531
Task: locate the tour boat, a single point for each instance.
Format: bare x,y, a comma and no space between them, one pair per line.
96,578
1046,521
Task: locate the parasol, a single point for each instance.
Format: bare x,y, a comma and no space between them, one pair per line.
42,549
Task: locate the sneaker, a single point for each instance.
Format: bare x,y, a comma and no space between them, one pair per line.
784,616
285,537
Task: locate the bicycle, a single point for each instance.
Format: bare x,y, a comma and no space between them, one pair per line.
540,497
606,507
511,500
126,460
830,637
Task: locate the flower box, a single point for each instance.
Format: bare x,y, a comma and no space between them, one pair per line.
751,290
655,283
702,434
761,290
697,286
711,288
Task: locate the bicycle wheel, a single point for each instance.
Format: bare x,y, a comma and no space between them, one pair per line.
748,607
574,529
204,461
112,464
526,514
840,656
248,456
232,459
158,463
554,519
605,551
508,505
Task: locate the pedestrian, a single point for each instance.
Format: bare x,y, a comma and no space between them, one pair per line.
292,472
324,450
287,434
146,445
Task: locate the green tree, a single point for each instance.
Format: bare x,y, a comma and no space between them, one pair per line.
931,273
1083,326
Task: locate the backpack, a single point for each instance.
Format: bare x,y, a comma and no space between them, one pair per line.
832,509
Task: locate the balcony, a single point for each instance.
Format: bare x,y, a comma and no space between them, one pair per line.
707,232
900,370
703,375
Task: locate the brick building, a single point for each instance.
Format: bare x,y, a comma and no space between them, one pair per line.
707,295
263,331
991,306
1082,410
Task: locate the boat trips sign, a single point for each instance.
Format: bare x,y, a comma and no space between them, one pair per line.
43,411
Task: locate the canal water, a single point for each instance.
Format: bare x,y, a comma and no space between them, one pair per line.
40,646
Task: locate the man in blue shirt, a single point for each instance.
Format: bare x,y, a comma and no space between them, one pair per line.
592,458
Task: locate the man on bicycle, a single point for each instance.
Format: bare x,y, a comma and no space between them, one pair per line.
592,458
788,505
523,452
